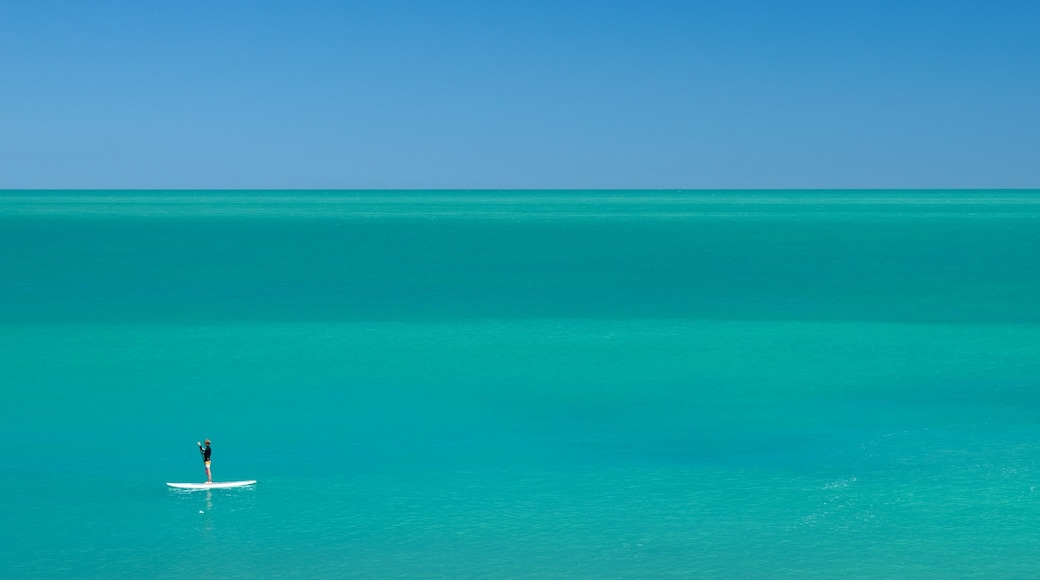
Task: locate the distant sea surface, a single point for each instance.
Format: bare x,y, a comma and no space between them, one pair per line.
521,384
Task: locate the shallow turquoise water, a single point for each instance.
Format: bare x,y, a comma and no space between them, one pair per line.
521,384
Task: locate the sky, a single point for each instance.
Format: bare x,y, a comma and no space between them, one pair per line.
532,94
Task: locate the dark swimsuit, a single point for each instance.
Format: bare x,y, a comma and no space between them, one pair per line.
205,452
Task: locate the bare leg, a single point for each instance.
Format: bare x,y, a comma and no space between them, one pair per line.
209,476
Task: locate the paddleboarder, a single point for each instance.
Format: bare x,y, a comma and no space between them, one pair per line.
205,451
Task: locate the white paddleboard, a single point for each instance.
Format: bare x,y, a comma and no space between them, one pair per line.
215,484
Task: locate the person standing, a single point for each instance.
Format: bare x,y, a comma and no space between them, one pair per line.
206,451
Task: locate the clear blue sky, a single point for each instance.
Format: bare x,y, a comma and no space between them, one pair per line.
520,94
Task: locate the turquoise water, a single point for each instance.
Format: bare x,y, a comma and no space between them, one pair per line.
521,384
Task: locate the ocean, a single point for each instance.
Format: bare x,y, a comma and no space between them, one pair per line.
521,384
